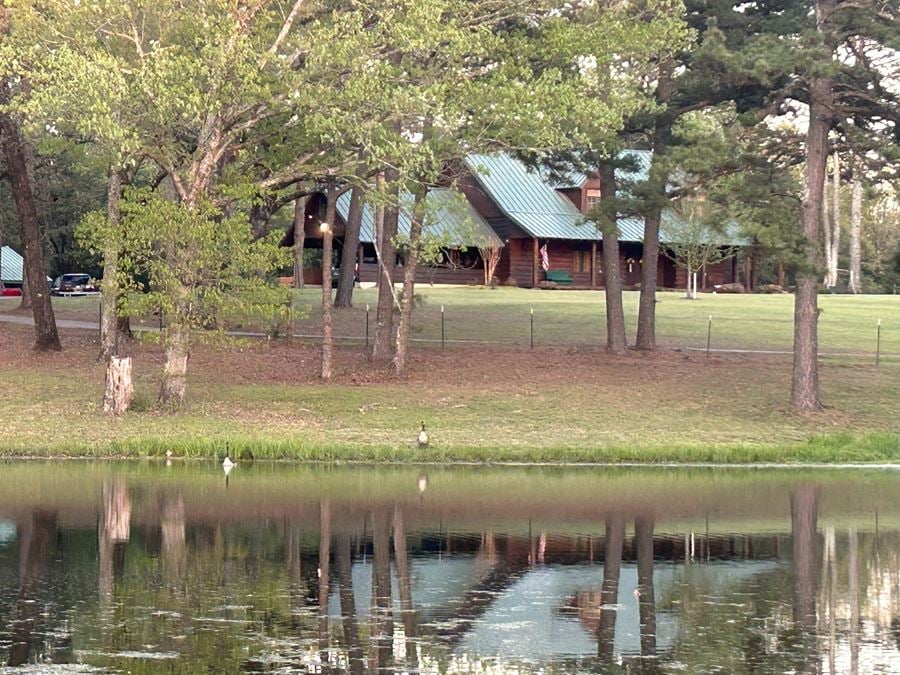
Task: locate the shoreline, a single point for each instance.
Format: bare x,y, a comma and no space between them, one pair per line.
841,450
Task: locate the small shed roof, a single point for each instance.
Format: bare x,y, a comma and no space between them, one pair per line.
11,266
448,214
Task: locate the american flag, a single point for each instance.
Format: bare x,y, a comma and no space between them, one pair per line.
545,258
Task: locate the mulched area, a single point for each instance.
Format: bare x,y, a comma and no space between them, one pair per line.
488,368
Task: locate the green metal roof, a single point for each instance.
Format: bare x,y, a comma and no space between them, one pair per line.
576,179
10,266
531,199
448,214
528,199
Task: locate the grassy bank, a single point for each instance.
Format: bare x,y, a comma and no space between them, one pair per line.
873,448
481,404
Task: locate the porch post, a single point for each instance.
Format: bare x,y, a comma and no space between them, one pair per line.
534,262
593,264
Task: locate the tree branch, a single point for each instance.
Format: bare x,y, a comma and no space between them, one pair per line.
285,28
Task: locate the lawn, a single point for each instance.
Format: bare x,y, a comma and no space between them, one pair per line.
502,315
563,318
566,400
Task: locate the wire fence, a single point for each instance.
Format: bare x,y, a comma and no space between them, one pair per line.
862,328
876,340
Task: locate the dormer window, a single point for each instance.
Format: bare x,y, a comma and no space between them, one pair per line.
591,199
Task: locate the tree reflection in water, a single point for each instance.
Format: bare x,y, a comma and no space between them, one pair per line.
338,584
37,537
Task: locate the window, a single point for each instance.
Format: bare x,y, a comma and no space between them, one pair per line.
592,199
582,262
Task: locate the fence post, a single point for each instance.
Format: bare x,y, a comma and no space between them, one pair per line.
289,323
708,334
878,343
367,326
532,328
442,326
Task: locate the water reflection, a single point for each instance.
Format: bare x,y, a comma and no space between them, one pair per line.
359,571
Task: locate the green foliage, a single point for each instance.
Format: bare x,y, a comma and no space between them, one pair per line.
194,266
881,240
695,238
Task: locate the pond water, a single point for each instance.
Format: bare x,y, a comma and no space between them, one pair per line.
145,568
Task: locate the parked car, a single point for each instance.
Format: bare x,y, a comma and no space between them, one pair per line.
74,284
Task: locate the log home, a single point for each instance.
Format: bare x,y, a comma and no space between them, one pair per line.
497,201
449,219
530,210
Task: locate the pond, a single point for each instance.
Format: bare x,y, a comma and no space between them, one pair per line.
145,567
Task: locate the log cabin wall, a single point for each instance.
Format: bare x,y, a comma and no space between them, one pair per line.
721,273
368,273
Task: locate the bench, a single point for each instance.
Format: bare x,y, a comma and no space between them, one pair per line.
560,277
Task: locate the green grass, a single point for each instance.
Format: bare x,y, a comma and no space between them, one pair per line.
837,449
751,321
502,315
564,405
703,417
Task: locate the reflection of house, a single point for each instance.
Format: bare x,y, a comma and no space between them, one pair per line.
545,612
523,211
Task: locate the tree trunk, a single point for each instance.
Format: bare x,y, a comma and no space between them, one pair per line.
299,239
411,260
37,545
174,383
324,580
834,259
109,288
643,534
855,233
25,302
827,227
327,327
344,296
344,564
119,389
387,256
853,592
382,629
123,327
805,379
404,588
804,512
46,334
616,342
379,222
609,593
646,328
